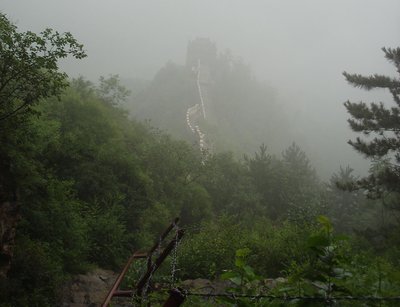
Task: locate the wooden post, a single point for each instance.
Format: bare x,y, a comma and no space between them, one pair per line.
118,281
176,298
151,268
142,282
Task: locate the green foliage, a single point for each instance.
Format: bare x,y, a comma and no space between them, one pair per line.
29,74
111,90
242,109
30,66
243,279
152,223
77,178
276,246
243,274
229,185
331,269
235,103
55,220
380,123
326,258
93,184
96,184
36,277
197,205
266,174
107,235
165,100
349,210
288,186
209,251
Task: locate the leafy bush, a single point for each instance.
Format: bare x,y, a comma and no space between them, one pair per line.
211,250
36,277
208,252
333,268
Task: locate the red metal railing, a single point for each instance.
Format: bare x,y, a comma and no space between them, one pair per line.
151,268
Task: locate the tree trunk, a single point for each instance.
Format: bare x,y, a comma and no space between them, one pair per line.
9,217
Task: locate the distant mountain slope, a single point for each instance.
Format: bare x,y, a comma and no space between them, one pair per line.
241,111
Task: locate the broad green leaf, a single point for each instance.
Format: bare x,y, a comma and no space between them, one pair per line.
236,280
249,271
228,275
324,221
239,262
318,240
243,252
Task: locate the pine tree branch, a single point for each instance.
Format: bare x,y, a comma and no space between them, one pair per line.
371,82
393,56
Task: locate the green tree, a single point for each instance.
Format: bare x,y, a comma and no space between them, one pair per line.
380,125
301,183
28,73
346,208
111,90
29,66
268,179
165,100
229,185
286,185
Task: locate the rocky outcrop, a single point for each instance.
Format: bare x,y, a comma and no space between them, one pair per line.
89,289
206,286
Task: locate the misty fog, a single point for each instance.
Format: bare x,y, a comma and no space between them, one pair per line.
297,48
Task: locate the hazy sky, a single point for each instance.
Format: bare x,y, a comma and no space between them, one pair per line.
300,47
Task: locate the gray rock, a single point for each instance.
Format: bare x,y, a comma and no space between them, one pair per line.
88,290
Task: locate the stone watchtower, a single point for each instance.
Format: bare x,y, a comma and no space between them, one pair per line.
202,54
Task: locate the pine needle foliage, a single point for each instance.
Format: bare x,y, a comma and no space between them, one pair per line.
380,125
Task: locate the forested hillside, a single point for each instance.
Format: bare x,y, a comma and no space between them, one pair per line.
83,184
235,101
